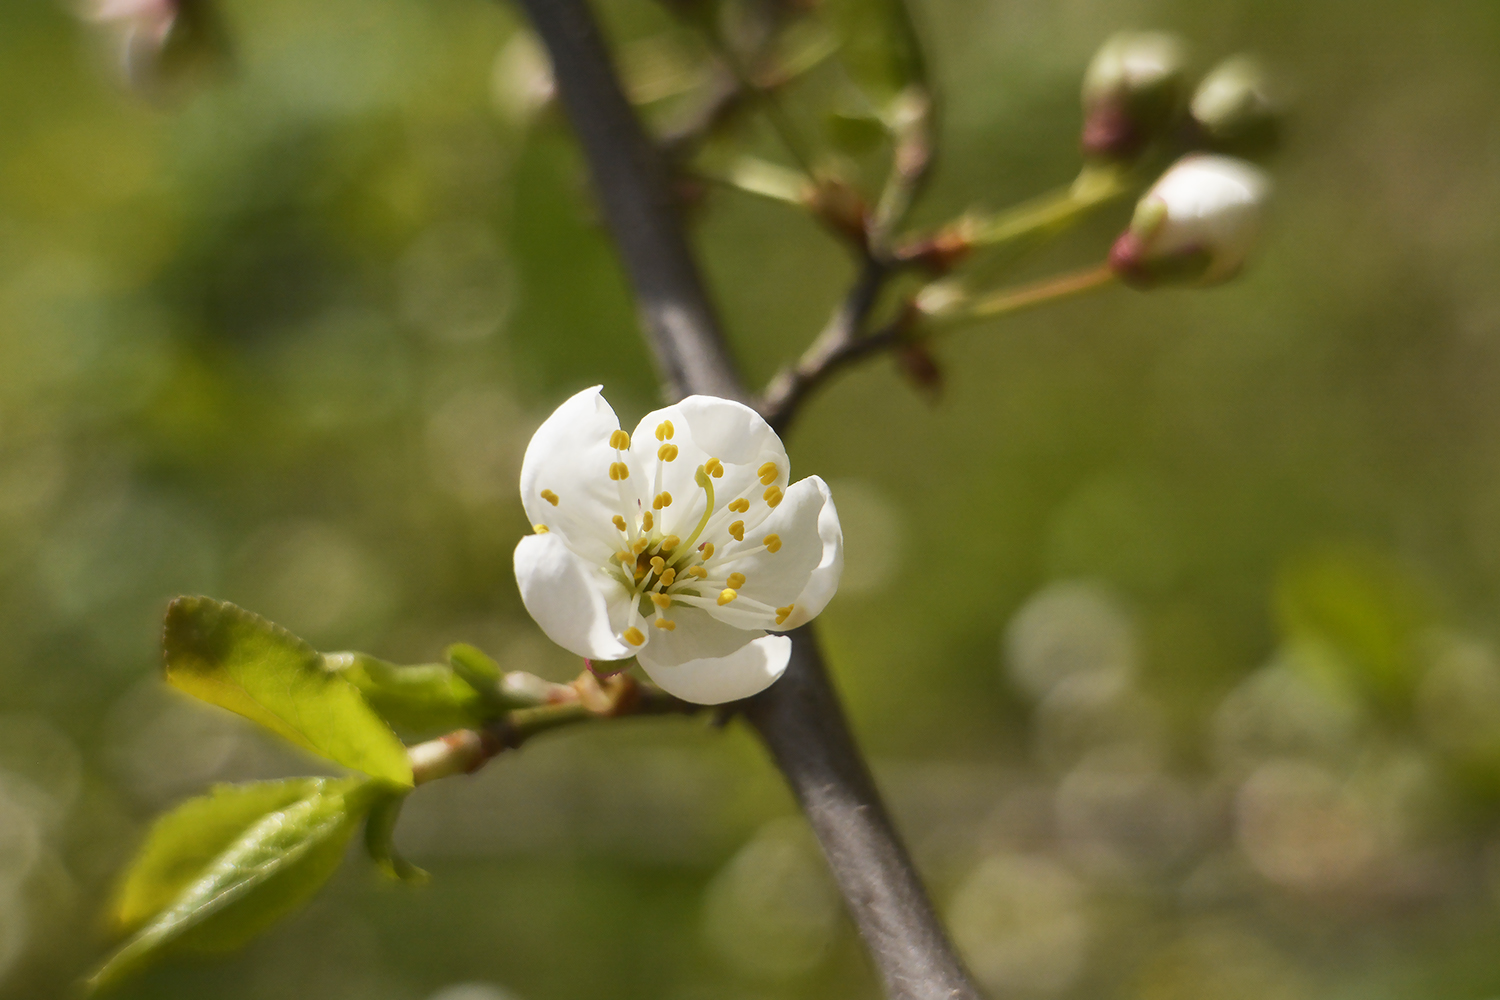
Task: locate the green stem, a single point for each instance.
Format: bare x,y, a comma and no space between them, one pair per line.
954,313
1093,187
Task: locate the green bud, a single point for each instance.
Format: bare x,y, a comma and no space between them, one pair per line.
1235,109
1131,91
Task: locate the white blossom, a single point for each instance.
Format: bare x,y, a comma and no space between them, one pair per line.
1198,223
680,544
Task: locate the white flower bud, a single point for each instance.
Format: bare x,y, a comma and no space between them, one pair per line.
1196,225
161,42
1130,92
1235,108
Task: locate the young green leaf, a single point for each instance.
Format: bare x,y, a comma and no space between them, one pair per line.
423,699
239,661
184,842
261,876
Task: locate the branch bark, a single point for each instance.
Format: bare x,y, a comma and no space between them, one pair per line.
799,717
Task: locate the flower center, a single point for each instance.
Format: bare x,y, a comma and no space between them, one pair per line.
663,570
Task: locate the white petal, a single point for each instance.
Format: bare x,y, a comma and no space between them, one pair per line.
749,670
696,637
825,578
777,578
569,456
569,598
709,427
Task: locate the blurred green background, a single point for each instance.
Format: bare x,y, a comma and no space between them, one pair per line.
1170,627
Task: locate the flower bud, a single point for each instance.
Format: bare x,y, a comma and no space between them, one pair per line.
162,42
1130,93
1196,225
1234,108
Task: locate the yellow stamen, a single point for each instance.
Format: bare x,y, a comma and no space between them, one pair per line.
550,497
664,431
665,623
658,564
772,495
714,468
697,572
667,576
739,506
767,474
634,636
661,601
725,596
619,522
540,529
667,452
625,557
735,581
708,551
639,546
669,543
782,614
647,521
773,543
737,531
619,471
663,499
619,440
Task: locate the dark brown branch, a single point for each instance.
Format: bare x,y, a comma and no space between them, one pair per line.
799,717
638,204
802,723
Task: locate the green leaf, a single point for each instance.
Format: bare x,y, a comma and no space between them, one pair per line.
270,869
239,661
380,829
186,840
422,699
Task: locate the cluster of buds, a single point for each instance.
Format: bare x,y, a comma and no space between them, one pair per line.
1135,92
1199,221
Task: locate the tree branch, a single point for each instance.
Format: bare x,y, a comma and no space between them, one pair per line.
799,717
638,204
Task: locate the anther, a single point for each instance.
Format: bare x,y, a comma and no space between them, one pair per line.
619,522
666,624
739,506
773,543
707,548
619,440
624,557
714,468
540,529
725,596
737,531
661,601
772,495
697,572
735,581
664,431
767,474
663,499
658,564
634,636
646,521
669,543
667,576
550,497
667,452
619,471
782,614
639,546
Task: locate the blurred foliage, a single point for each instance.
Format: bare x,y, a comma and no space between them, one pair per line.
281,339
